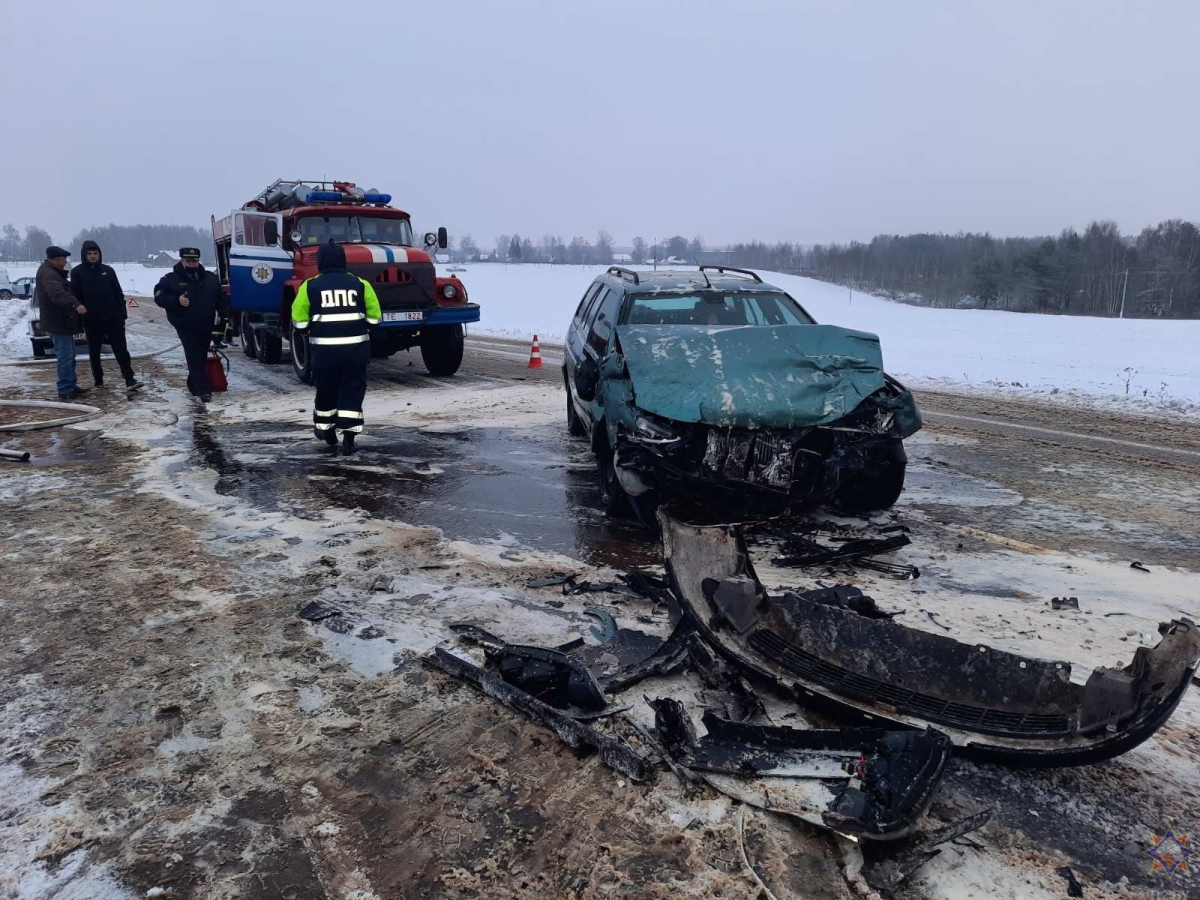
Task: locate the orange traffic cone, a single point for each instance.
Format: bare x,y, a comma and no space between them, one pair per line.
535,354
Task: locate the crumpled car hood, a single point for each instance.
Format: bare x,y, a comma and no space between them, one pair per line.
777,376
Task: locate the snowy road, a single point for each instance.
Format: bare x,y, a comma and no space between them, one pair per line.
171,723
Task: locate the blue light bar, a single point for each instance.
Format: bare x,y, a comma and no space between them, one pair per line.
376,197
324,196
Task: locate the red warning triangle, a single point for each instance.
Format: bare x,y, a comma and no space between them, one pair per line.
132,303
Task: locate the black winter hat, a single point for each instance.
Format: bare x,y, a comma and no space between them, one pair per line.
331,258
54,251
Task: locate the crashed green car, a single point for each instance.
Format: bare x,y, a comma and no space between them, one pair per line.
716,385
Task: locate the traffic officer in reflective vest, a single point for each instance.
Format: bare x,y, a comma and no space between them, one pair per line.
337,308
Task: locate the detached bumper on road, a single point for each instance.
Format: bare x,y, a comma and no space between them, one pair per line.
992,704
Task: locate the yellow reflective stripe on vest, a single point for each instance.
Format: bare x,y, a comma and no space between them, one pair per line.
339,317
353,339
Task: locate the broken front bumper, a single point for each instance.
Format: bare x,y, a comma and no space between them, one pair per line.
993,704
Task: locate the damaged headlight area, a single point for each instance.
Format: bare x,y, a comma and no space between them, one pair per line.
654,433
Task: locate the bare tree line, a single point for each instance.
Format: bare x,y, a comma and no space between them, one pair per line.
579,251
1096,272
120,243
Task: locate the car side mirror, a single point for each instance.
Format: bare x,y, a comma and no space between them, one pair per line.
271,232
587,377
443,238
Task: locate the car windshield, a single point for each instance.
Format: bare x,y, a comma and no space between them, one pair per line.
354,230
716,308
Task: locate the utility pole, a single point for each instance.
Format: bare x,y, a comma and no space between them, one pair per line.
1124,288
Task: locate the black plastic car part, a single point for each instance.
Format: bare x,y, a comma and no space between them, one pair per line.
993,704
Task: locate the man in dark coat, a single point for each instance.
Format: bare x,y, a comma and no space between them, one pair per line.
194,301
58,313
97,288
335,310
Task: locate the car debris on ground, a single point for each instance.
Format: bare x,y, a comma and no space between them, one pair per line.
898,701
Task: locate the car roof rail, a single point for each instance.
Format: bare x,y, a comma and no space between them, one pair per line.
622,272
724,269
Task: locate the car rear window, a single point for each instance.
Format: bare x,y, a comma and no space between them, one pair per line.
717,308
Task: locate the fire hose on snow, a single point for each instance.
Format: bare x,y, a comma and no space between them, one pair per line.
50,360
80,412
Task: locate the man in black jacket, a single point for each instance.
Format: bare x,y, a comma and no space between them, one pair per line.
97,288
194,301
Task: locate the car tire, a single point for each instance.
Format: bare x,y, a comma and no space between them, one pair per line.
270,348
249,339
442,349
645,509
878,482
575,426
613,498
6,295
301,357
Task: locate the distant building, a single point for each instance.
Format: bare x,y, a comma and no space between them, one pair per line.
622,259
163,259
442,257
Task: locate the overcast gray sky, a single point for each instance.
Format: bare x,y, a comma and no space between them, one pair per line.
732,120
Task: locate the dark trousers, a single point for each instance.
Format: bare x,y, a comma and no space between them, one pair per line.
195,349
339,402
109,331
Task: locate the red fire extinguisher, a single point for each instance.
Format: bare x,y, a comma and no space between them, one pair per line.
216,372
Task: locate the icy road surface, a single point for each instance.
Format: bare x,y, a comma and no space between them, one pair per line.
171,727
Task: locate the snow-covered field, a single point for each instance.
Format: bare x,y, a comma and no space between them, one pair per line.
1070,357
1065,357
135,278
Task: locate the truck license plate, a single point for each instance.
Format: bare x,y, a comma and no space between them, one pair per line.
404,316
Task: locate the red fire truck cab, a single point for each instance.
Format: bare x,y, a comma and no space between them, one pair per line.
269,246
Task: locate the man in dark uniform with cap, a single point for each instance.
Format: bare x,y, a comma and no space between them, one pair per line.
194,301
337,309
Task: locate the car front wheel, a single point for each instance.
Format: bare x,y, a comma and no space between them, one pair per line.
876,479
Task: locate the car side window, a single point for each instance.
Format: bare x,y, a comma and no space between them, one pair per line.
601,329
582,311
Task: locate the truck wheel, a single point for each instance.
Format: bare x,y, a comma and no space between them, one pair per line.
39,349
301,358
383,347
877,481
270,348
442,349
249,344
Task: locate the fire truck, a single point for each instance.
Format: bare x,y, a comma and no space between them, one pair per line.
266,249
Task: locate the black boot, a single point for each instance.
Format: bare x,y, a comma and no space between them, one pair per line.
347,443
326,435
